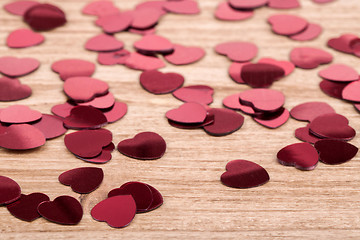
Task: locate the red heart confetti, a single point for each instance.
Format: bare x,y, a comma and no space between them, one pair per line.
339,73
51,126
305,135
141,62
225,12
247,4
85,117
208,120
261,75
190,112
244,174
12,90
311,32
287,66
104,43
145,18
112,58
332,125
237,51
342,43
335,151
115,23
103,102
233,102
159,5
157,82
144,146
9,190
302,156
21,137
333,89
308,58
116,112
195,93
19,114
88,143
117,211
153,44
226,121
63,210
284,24
182,7
82,180
83,89
100,8
25,208
263,99
183,55
16,67
235,72
73,68
62,110
274,120
310,110
351,92
23,38
19,7
281,4
44,17
104,156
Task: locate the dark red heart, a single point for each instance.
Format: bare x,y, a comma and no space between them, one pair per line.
273,120
226,121
261,75
51,126
44,17
287,66
335,151
85,117
300,155
9,190
160,83
305,135
333,89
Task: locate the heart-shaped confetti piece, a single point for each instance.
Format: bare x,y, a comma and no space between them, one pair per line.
333,89
226,121
310,110
82,180
309,58
63,210
83,89
196,93
62,110
100,8
233,102
25,208
16,67
19,114
117,211
85,117
159,5
145,18
141,193
287,66
244,174
9,190
104,156
226,13
112,58
342,43
335,151
302,156
21,137
157,82
261,75
208,120
274,120
247,4
182,7
144,146
190,112
102,102
311,32
284,24
350,92
19,7
73,68
339,73
116,112
153,44
183,55
12,90
305,135
115,23
51,126
88,143
142,62
332,125
23,38
263,99
235,71
104,43
237,51
44,17
281,4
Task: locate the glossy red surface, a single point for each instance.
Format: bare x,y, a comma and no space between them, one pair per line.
262,99
274,120
226,13
333,89
287,66
85,117
335,151
261,75
44,17
300,155
196,93
305,135
83,89
142,62
157,82
9,190
51,126
310,110
115,113
19,114
226,121
309,58
339,73
190,112
73,68
351,92
102,102
23,38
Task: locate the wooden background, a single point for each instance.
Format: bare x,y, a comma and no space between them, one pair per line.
319,204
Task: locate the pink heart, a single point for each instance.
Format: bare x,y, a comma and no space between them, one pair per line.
23,38
15,67
339,73
154,44
351,92
342,43
284,24
9,190
182,7
115,23
247,4
244,174
63,210
100,8
19,7
144,146
190,112
235,71
156,4
62,110
85,117
112,58
19,114
310,110
11,89
287,66
263,99
82,180
226,13
73,68
51,126
305,135
21,137
142,62
160,83
117,211
116,112
183,55
145,18
83,89
237,51
309,58
302,156
281,4
102,102
104,43
311,32
273,120
195,93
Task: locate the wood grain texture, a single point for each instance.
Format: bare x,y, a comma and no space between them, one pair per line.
319,204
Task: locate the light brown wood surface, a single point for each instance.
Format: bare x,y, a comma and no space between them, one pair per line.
319,204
